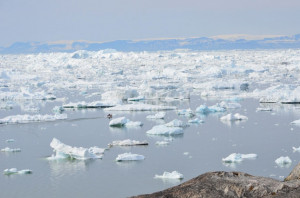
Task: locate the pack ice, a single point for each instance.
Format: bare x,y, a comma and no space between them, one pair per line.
63,151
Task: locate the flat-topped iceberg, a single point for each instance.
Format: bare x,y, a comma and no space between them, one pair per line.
85,105
63,151
165,130
230,117
129,157
122,121
128,142
159,115
26,118
7,149
237,157
283,161
140,107
12,171
169,175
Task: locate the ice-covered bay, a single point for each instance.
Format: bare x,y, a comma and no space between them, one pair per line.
182,87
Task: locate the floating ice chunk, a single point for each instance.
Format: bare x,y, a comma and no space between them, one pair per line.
122,121
58,109
159,115
283,161
128,142
164,130
196,121
203,109
296,122
140,107
10,140
129,157
237,157
186,112
117,95
296,149
162,143
95,104
264,109
7,149
175,123
15,171
32,118
139,98
168,175
233,105
65,151
230,117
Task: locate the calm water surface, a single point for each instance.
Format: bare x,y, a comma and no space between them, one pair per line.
268,134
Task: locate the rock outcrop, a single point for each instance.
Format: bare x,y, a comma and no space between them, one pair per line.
233,184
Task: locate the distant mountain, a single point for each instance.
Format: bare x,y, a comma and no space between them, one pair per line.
227,42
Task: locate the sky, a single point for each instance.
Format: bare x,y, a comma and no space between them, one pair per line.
100,21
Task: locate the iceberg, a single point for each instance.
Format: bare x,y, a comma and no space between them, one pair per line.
175,123
283,161
7,149
232,105
15,171
122,121
169,175
85,105
128,142
165,130
63,151
203,109
162,143
237,157
32,118
230,117
140,107
129,157
10,140
296,149
196,121
159,115
186,112
296,122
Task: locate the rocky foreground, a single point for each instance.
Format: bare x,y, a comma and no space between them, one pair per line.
233,184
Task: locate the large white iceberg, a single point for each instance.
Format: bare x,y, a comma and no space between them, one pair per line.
237,157
129,157
170,175
165,130
122,121
63,151
26,118
140,107
127,142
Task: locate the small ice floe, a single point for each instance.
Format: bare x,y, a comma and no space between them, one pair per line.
63,151
12,171
283,162
296,149
164,130
237,157
129,157
10,140
264,109
122,121
159,115
186,112
203,109
139,98
7,149
140,107
186,153
58,109
230,117
128,142
232,105
85,105
196,121
296,122
162,143
32,118
175,123
168,175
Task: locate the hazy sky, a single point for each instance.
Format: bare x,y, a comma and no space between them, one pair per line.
98,20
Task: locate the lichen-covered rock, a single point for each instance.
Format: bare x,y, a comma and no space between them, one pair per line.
230,184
